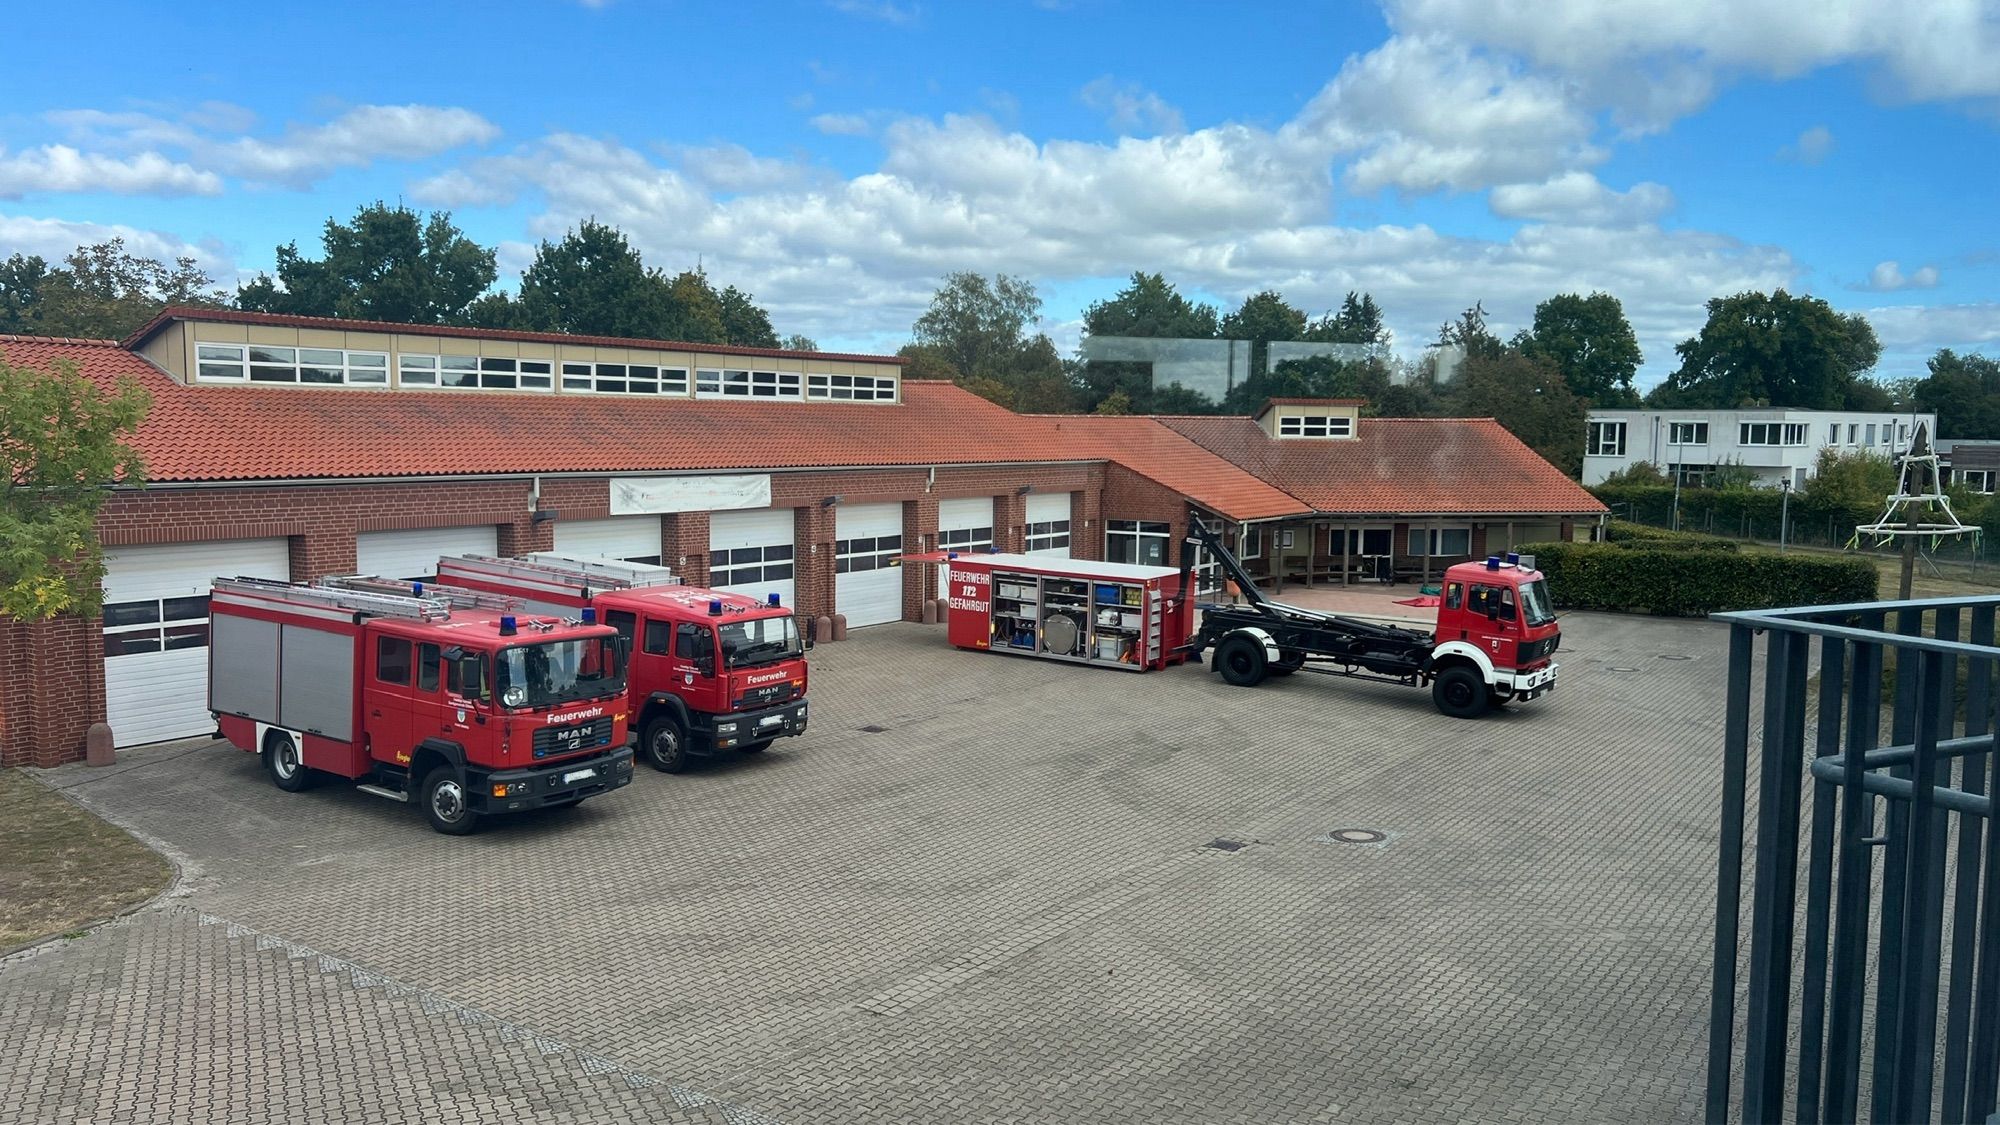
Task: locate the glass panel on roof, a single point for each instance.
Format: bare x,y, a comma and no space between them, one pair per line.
322,357
261,354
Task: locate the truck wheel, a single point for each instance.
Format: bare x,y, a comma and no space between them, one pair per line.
664,745
1497,698
759,747
281,758
1241,661
1459,691
446,803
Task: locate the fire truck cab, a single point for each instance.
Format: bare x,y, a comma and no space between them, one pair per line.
711,672
444,697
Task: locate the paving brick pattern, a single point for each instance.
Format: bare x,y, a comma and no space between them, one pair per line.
1007,905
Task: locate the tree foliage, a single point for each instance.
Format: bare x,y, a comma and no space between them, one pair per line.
1263,318
1963,391
1529,397
101,291
975,333
64,442
388,263
1774,349
1150,306
1358,321
1591,343
1470,332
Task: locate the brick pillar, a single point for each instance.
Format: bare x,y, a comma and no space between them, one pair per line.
813,529
1568,532
1010,512
1479,541
684,545
317,554
54,690
920,532
525,537
1086,526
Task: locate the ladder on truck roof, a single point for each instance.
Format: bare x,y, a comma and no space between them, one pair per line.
580,570
458,597
334,597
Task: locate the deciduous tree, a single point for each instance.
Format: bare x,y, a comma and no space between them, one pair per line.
1774,349
64,442
388,263
1591,343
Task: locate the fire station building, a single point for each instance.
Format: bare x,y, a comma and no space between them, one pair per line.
299,447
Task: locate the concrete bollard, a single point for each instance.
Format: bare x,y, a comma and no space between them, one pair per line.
822,629
930,612
97,746
944,610
839,626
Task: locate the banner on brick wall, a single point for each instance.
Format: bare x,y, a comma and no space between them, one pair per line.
645,496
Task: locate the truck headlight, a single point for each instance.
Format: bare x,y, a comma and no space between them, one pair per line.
725,728
514,696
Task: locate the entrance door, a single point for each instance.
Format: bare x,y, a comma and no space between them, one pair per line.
1048,524
868,582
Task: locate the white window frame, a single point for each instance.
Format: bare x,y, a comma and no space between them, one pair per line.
965,540
1687,433
1137,532
1047,535
187,626
1357,540
750,383
1976,480
746,566
485,373
866,553
211,360
1428,541
1315,426
1606,439
821,387
1770,434
617,379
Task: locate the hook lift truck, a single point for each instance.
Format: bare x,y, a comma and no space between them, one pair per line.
1494,643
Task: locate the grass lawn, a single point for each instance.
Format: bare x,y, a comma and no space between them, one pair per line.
63,867
1949,579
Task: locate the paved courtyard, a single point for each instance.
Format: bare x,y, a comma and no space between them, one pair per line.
980,889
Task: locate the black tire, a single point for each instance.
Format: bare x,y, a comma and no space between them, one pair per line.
446,803
759,747
1289,661
1242,661
282,761
1498,698
1460,692
664,745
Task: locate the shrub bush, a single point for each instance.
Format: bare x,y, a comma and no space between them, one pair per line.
1683,582
1621,533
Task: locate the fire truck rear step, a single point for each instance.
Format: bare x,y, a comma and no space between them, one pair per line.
382,791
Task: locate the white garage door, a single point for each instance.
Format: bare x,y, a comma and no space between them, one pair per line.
867,580
1048,524
631,538
964,525
156,631
751,553
414,553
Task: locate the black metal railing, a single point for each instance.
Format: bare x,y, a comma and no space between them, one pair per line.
1875,995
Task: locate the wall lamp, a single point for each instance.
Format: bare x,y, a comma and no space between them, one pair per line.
829,502
544,515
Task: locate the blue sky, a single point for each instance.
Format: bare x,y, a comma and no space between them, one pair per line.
838,158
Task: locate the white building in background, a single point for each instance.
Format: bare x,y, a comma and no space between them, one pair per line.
1775,445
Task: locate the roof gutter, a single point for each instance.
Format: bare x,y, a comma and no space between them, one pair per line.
531,475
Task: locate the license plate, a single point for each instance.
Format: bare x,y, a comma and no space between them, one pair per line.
770,721
574,776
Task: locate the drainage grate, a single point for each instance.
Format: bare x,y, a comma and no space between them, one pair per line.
1222,845
1356,836
1616,668
1675,656
871,728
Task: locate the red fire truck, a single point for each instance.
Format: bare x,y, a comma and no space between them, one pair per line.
437,695
711,672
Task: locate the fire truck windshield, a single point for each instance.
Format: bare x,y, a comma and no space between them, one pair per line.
557,672
1535,608
759,642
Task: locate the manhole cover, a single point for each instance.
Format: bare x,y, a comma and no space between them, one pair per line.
871,728
1222,845
1675,656
1356,836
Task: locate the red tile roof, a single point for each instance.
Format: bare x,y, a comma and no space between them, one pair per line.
236,316
1399,465
1226,465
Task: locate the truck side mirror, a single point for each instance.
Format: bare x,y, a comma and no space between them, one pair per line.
705,663
806,640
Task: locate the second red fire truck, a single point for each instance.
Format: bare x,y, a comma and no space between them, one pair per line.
710,672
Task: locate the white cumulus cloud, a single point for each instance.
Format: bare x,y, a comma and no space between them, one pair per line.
56,169
1813,146
1579,197
1129,107
840,124
53,239
1888,276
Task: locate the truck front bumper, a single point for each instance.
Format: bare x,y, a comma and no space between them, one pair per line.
561,784
1528,685
738,729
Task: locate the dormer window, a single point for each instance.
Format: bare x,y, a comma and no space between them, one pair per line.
259,363
1315,426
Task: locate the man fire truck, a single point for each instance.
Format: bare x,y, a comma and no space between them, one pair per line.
438,695
1494,643
711,672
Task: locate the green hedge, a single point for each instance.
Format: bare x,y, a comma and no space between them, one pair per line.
1689,583
1621,533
